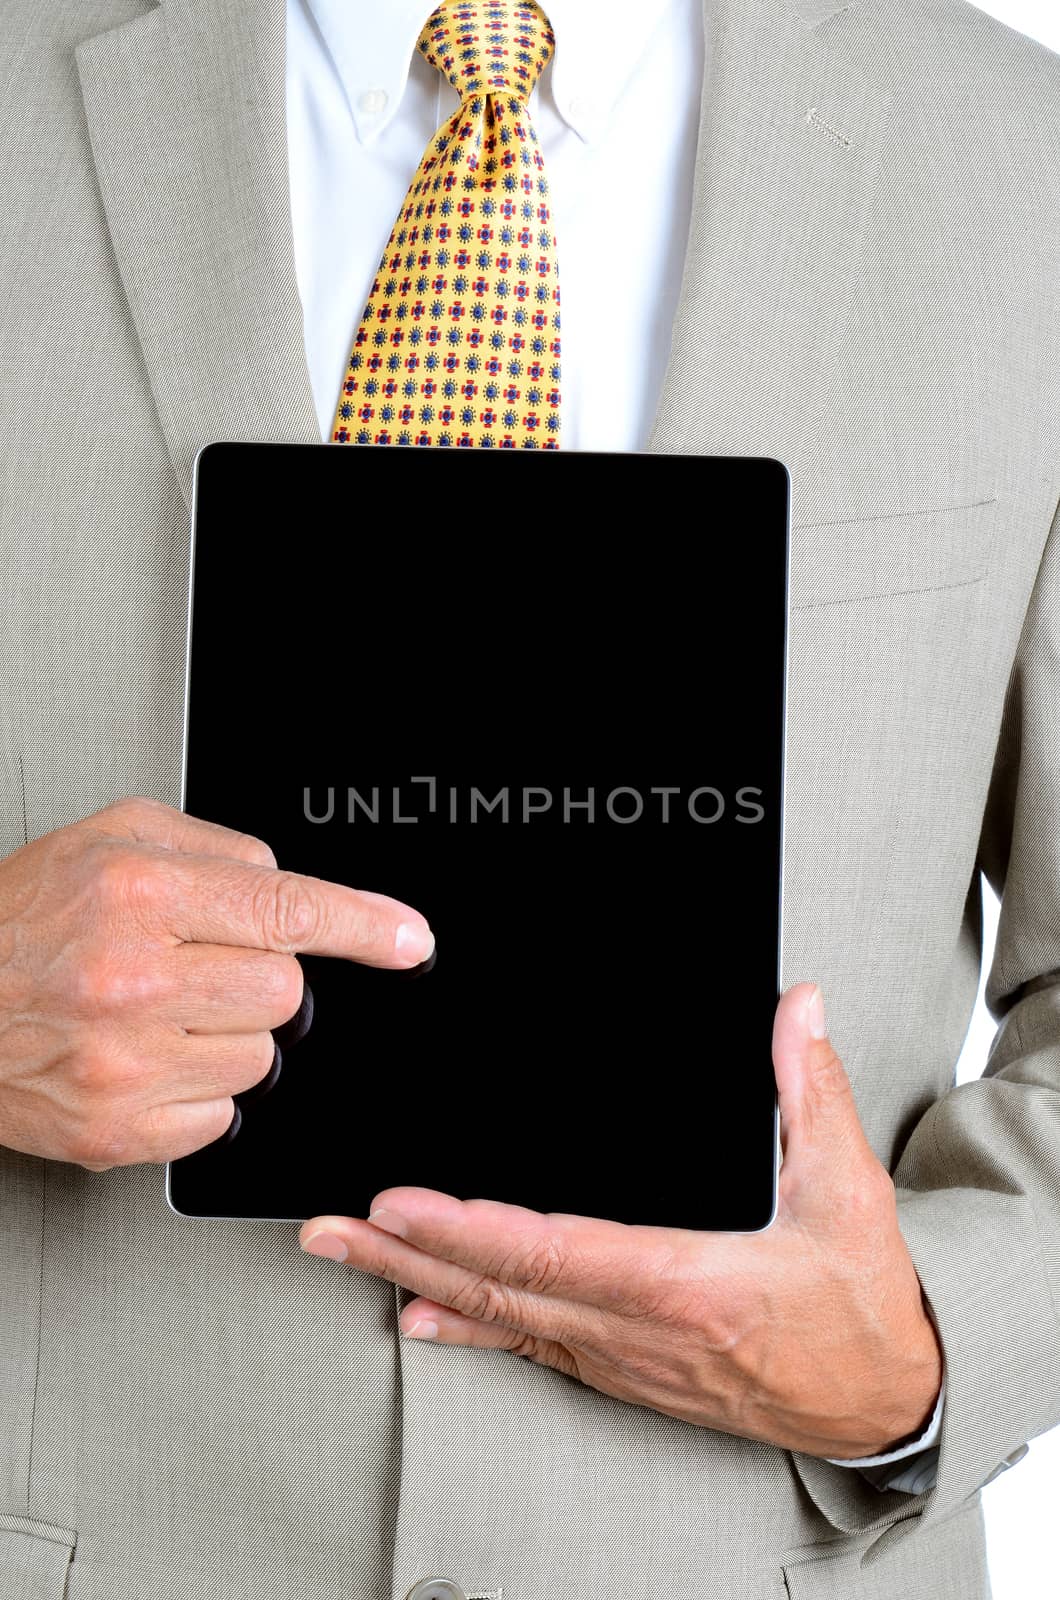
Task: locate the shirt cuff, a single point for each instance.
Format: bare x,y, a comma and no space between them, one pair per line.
913,1467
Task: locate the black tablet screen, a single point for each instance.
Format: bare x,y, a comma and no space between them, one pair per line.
540,699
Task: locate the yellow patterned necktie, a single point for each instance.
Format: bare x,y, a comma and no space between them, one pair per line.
459,343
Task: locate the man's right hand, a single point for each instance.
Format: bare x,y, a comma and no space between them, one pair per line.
144,957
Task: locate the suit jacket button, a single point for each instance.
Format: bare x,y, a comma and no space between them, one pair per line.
436,1589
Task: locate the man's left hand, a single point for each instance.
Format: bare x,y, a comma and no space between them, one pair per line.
811,1335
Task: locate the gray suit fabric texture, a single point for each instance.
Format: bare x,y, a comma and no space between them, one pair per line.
196,1411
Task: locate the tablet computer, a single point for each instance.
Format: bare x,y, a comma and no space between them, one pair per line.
541,699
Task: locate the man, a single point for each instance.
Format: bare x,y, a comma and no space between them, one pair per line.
866,292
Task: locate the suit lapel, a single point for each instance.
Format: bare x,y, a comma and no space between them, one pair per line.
187,119
789,146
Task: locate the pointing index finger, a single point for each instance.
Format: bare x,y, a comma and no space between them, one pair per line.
230,902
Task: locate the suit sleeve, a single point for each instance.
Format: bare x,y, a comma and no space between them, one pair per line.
978,1181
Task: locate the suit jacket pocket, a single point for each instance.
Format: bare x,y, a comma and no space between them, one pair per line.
891,552
34,1558
945,1560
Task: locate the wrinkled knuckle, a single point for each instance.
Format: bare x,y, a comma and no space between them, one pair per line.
124,880
527,1346
536,1267
103,985
290,916
483,1299
96,986
107,866
386,1269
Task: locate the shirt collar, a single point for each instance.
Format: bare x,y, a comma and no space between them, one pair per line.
598,44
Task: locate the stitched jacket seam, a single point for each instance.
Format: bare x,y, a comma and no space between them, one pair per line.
899,516
888,594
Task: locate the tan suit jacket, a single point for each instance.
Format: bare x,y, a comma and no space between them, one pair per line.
195,1411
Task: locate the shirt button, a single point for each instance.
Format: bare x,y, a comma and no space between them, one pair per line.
436,1589
373,102
580,109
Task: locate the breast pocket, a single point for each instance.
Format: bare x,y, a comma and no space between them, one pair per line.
893,550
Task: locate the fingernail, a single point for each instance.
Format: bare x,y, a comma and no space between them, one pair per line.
424,1329
413,942
327,1245
815,1013
389,1221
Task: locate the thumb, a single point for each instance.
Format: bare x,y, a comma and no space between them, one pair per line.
819,1120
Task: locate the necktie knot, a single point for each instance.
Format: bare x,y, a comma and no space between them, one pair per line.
459,343
499,48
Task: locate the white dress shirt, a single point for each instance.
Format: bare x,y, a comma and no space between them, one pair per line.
617,114
363,104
